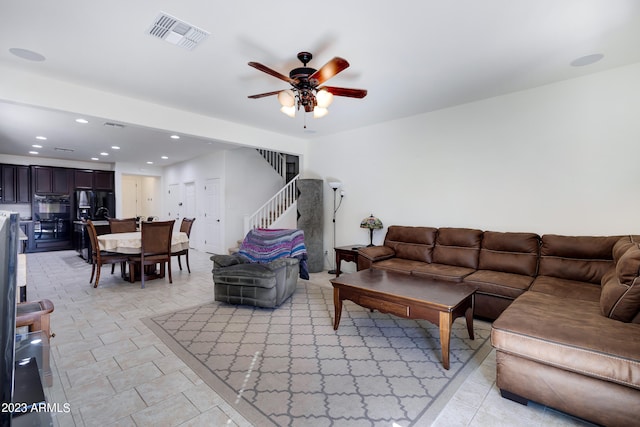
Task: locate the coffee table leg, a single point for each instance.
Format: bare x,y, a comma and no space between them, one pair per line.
446,318
468,314
337,302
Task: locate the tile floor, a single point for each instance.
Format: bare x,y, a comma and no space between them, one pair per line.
113,371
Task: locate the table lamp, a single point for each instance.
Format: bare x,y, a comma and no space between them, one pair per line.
372,223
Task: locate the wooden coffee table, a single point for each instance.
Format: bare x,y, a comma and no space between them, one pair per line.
407,296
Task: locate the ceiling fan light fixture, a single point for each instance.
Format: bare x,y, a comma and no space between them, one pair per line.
286,98
289,111
324,98
319,112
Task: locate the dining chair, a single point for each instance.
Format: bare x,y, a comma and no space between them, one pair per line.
100,258
156,249
125,225
185,226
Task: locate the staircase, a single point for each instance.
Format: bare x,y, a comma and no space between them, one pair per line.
278,161
268,214
273,208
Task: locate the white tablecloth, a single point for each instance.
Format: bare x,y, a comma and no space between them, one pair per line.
130,243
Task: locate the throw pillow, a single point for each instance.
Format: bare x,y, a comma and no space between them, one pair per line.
620,295
628,265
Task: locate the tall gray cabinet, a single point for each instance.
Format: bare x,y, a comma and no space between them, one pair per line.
311,221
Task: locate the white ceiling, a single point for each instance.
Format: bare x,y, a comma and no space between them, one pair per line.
412,57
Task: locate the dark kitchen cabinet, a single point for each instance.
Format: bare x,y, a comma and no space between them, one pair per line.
15,183
83,179
51,180
103,180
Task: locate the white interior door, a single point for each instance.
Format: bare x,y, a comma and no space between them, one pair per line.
212,220
173,202
189,208
131,196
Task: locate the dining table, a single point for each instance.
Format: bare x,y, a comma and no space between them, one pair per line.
131,243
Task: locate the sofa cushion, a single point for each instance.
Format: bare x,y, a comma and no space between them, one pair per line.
573,336
571,289
499,283
449,273
458,247
398,265
414,243
509,252
620,295
578,258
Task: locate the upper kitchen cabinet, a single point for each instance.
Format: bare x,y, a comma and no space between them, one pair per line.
83,179
103,180
52,180
15,183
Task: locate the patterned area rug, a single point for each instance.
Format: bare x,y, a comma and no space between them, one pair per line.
288,367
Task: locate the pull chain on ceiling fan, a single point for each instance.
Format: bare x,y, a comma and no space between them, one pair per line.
305,91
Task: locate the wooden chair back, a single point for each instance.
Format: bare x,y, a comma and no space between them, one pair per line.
124,225
156,238
93,239
186,224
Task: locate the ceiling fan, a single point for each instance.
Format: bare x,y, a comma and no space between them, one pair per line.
305,91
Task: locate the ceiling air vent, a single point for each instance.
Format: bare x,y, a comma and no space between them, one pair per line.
177,32
113,125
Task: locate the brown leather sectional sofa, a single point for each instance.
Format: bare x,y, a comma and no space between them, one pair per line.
566,310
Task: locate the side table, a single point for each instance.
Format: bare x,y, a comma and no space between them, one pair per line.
346,253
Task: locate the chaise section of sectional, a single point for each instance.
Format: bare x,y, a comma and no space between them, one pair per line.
572,342
507,266
563,353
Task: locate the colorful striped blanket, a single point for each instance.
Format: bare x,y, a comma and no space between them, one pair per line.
263,245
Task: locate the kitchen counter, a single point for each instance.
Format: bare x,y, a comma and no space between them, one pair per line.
97,223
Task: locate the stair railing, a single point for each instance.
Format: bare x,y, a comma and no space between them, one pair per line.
278,161
273,208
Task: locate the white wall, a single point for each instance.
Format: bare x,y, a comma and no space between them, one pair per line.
250,182
247,181
562,158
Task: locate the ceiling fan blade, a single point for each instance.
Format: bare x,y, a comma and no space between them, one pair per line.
271,72
262,95
329,70
343,91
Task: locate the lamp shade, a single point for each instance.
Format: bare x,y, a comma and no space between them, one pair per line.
286,98
324,98
371,222
319,112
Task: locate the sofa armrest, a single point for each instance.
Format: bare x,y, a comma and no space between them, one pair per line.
367,256
221,261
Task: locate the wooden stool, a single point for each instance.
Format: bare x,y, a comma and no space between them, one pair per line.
35,315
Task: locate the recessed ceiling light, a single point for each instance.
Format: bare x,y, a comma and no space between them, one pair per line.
41,138
95,158
33,152
27,54
587,60
36,146
104,154
83,121
149,163
164,157
175,137
115,147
